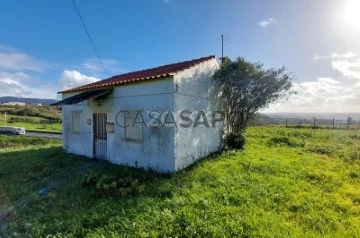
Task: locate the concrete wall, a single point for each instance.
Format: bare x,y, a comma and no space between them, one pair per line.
77,143
195,92
165,148
155,151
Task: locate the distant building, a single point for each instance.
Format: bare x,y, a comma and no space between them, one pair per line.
13,104
36,104
101,120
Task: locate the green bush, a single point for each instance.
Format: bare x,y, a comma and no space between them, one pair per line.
285,141
90,179
324,150
112,186
16,119
235,140
355,156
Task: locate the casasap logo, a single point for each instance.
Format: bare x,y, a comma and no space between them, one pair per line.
156,118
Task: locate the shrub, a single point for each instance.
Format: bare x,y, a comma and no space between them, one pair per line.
324,150
90,179
285,141
354,156
15,119
354,136
235,140
112,186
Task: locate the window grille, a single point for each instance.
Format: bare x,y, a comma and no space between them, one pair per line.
133,121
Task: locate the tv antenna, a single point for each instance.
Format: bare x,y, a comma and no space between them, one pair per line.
226,39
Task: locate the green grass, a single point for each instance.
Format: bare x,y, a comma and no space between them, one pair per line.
8,142
286,183
32,123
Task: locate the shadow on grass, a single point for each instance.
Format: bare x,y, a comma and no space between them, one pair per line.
45,188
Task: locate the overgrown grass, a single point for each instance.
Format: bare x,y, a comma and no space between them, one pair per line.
286,183
7,142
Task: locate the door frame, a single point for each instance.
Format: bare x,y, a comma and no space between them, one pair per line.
103,153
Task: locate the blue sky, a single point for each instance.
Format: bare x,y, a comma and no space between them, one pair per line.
43,47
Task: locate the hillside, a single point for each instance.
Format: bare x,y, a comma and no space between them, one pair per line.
286,183
44,118
27,100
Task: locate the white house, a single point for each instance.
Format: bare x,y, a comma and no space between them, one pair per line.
162,118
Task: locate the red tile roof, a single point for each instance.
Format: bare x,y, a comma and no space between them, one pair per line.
147,74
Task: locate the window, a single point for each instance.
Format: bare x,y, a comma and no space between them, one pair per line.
133,121
75,121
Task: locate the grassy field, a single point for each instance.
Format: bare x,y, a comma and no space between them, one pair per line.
286,183
31,123
36,118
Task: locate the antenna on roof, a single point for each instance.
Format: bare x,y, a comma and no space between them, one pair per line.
222,47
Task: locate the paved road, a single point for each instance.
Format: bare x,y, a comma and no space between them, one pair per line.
43,135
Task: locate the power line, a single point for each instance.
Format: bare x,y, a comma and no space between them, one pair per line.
88,34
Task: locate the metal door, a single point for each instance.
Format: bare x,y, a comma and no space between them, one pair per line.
100,136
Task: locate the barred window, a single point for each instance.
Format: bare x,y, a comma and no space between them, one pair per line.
76,121
133,131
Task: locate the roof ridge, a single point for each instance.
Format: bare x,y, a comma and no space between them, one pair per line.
151,73
165,65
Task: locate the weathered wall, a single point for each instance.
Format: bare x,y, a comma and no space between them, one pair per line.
155,151
165,149
77,143
195,92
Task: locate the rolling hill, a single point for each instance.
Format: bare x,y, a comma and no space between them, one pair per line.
27,100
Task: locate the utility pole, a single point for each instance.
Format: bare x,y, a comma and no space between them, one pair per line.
222,48
5,118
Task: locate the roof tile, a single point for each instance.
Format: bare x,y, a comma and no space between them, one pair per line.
147,74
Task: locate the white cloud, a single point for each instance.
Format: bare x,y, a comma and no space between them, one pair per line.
321,95
334,55
327,94
17,75
14,77
73,78
348,67
95,65
13,59
267,22
327,81
20,84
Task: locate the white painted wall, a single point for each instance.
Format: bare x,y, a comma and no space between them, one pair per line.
165,149
77,143
156,151
195,92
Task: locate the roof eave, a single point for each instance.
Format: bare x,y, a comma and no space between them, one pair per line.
96,85
84,88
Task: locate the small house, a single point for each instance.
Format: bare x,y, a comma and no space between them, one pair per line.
163,118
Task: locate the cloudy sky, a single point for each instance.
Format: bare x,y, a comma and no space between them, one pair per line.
43,47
